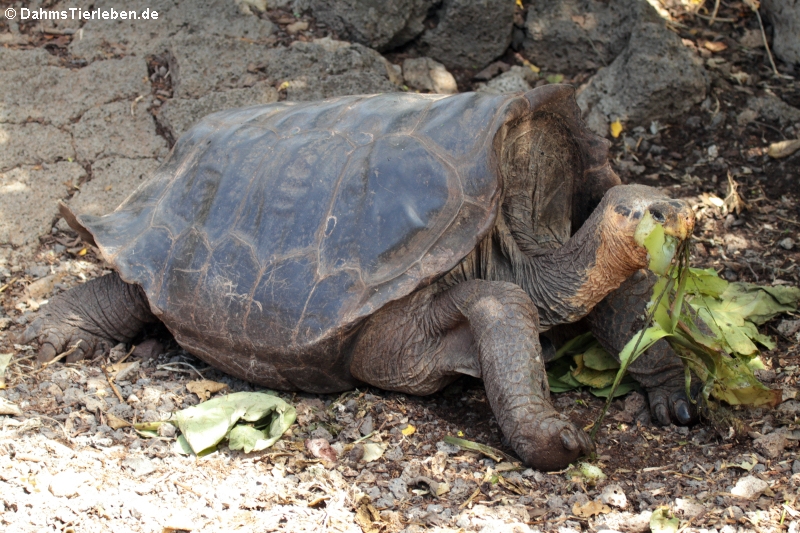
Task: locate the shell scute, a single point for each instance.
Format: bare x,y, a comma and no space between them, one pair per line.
225,289
391,205
183,271
282,208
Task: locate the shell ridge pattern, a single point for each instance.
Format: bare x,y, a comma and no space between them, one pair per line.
297,328
326,228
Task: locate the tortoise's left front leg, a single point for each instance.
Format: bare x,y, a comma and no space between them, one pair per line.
487,329
90,318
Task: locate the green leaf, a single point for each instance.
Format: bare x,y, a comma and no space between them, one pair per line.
759,303
660,246
555,78
207,424
736,384
705,281
576,345
182,447
248,439
662,522
626,385
596,379
597,358
649,337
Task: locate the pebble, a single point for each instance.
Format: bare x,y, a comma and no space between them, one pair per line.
394,454
614,496
749,487
139,466
796,467
398,488
449,449
367,425
688,508
771,445
788,328
786,244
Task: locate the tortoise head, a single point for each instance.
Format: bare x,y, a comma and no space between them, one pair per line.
642,227
633,227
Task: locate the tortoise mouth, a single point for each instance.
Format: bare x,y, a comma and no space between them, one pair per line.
663,227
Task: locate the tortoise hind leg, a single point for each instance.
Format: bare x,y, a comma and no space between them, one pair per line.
482,328
659,370
90,318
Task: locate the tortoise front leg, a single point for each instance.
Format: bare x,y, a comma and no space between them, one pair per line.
91,318
482,328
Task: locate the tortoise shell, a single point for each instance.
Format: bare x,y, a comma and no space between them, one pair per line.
274,229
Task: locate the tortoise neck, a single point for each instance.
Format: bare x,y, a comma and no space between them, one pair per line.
565,283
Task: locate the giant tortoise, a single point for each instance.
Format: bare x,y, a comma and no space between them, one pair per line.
397,240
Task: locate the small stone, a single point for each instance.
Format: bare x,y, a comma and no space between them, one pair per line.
450,449
139,466
790,407
321,433
734,512
555,502
749,487
367,425
398,488
614,496
787,328
688,508
117,352
426,74
167,430
772,445
297,27
796,467
394,454
786,244
626,521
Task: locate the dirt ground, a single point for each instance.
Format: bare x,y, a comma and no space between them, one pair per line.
66,463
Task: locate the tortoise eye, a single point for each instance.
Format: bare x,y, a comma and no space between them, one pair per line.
658,216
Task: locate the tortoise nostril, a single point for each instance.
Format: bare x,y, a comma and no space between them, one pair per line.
657,215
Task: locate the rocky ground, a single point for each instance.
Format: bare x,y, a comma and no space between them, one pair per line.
88,108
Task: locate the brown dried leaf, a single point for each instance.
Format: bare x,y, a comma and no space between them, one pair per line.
115,422
367,516
715,46
204,388
733,202
782,149
590,509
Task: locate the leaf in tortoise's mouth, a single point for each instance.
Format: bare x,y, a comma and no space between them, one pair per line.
660,242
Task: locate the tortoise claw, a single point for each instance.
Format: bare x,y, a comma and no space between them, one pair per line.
671,406
682,412
568,440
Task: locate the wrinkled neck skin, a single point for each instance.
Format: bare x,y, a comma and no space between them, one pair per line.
564,283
